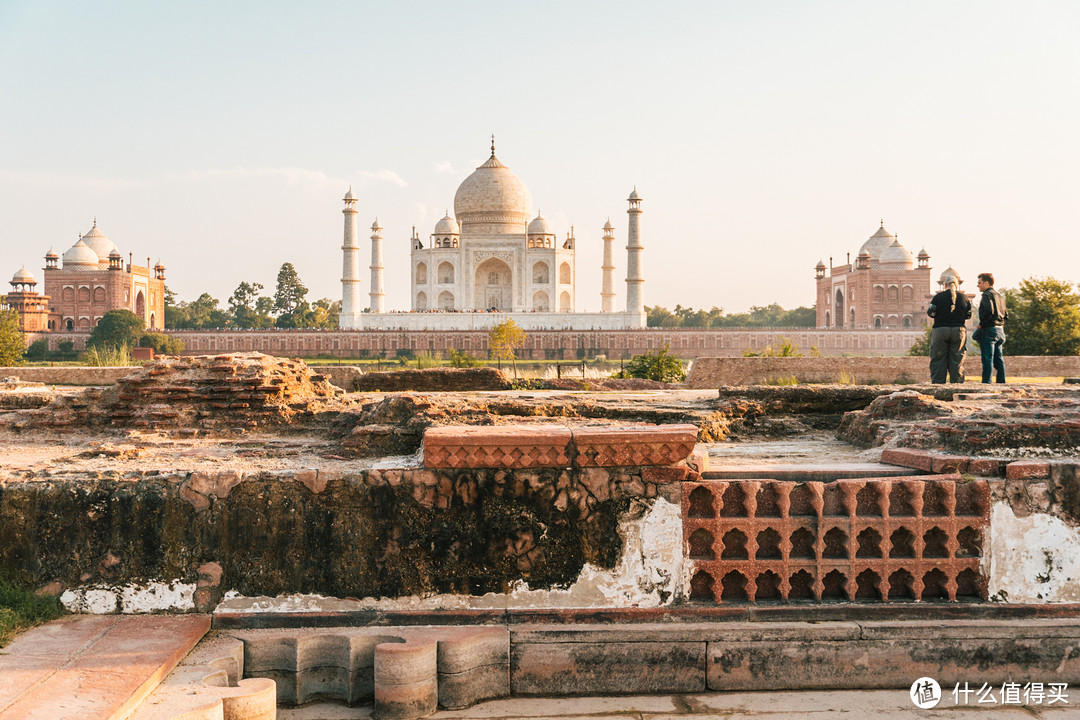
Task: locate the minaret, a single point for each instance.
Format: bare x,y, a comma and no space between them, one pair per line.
635,304
377,302
607,285
350,267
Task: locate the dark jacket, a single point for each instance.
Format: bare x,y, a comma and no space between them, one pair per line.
992,310
939,310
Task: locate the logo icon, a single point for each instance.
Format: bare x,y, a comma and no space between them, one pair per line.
925,693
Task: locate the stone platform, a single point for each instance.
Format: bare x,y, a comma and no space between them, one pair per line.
92,667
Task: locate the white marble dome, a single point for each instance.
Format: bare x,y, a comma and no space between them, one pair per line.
446,226
99,242
80,256
897,254
878,243
493,194
540,226
949,274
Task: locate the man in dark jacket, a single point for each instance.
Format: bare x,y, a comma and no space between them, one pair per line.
950,309
991,332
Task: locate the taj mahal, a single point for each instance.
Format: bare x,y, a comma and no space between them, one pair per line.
490,261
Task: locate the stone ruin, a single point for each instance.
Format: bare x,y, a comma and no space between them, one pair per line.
241,391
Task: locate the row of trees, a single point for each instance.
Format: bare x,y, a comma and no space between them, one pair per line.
249,310
768,316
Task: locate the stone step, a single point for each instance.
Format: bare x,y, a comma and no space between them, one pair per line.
92,667
803,472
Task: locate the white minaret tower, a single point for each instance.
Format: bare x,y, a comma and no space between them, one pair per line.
378,304
607,285
350,266
635,304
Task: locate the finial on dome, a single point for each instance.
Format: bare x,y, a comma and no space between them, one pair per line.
882,222
492,144
95,221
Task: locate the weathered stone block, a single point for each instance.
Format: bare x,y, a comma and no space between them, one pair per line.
576,668
501,446
1027,469
634,445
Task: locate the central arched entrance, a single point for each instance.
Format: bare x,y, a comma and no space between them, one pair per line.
493,286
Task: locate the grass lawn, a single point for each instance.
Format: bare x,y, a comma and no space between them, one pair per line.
21,609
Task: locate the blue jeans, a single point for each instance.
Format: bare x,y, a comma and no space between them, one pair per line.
990,341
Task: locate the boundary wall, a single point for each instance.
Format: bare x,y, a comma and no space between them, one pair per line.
712,372
687,343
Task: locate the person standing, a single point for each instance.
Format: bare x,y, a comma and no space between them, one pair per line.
950,309
991,331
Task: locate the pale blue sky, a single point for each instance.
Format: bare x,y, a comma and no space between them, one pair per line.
220,136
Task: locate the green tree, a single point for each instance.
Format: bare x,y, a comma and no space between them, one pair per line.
162,343
175,315
289,303
921,347
116,329
504,341
38,350
661,366
12,341
1044,318
242,305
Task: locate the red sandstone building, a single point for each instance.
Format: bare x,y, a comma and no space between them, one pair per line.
88,281
32,307
887,287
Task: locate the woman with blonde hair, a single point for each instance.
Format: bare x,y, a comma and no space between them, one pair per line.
950,309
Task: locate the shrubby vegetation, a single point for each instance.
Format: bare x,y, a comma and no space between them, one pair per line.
116,329
21,608
12,342
661,366
768,316
162,343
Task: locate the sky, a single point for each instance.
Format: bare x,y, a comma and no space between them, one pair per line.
220,137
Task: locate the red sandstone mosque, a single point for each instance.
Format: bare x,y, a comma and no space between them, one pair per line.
888,287
88,281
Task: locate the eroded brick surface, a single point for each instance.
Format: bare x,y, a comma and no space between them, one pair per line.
873,540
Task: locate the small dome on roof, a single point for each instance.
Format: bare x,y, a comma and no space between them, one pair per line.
51,255
446,226
80,255
820,265
23,276
634,195
115,254
158,265
897,254
923,255
540,226
375,225
950,274
349,195
608,225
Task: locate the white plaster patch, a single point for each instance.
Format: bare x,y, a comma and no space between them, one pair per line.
1032,559
652,572
132,598
97,601
157,596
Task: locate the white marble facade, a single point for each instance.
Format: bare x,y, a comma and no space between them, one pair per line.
492,257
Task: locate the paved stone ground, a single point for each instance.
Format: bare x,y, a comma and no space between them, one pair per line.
92,667
816,705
